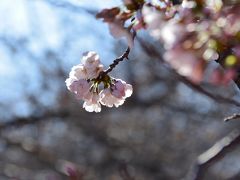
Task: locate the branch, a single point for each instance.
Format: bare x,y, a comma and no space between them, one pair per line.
215,97
214,154
117,61
114,64
232,117
71,7
151,51
21,121
120,58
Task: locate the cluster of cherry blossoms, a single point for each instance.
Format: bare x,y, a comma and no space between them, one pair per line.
90,83
194,33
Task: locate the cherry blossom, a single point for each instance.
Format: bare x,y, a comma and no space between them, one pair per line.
85,79
78,72
92,103
80,88
153,20
185,63
107,99
116,19
91,63
116,94
171,33
90,59
121,89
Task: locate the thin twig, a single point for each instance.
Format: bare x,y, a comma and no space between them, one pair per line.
117,61
214,154
232,117
120,58
103,74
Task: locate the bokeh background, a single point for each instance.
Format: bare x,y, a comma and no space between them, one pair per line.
46,135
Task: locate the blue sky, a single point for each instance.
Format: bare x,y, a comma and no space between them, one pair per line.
33,27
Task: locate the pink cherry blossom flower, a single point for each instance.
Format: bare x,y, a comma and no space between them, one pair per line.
80,88
121,89
154,21
69,81
92,103
90,59
71,170
181,60
232,26
81,82
186,63
91,63
116,94
171,33
78,72
94,72
118,90
107,99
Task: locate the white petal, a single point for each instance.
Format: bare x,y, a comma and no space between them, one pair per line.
88,106
119,102
78,72
128,90
90,58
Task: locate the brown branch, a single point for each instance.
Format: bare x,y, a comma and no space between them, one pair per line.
120,58
21,121
71,7
214,154
215,97
232,117
151,51
117,61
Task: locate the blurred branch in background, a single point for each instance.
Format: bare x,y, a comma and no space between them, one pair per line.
152,52
70,7
232,117
214,154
